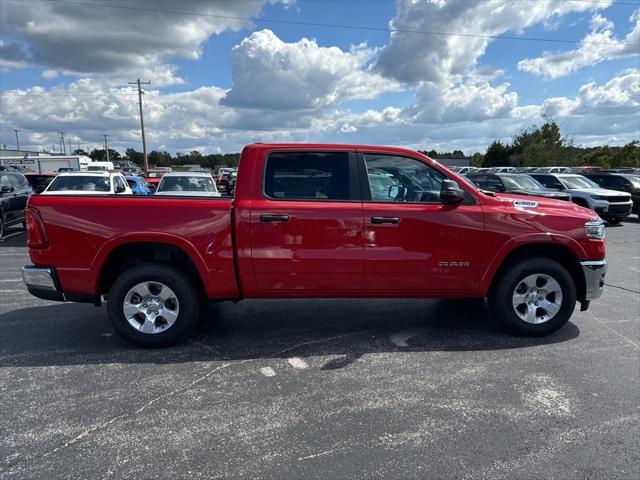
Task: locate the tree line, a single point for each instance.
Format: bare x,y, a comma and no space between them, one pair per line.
543,145
535,146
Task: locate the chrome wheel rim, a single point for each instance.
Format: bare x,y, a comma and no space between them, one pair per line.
151,307
537,298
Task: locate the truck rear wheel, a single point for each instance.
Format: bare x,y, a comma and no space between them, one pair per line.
153,304
533,297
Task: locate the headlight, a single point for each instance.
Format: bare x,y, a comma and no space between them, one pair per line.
594,229
596,197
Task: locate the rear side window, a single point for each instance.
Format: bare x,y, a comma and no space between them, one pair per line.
80,183
307,176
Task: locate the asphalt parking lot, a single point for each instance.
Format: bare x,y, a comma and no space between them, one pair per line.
323,389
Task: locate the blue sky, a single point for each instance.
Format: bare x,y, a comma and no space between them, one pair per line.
262,81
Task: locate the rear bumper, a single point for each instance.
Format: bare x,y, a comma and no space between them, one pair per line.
43,283
594,272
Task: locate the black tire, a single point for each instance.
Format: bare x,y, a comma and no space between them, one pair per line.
504,287
176,280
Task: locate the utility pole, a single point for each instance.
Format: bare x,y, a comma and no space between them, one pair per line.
106,146
63,146
144,141
17,141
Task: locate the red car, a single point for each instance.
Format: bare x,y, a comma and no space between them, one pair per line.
153,176
306,221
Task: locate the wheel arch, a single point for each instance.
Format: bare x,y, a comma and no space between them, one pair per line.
558,252
128,254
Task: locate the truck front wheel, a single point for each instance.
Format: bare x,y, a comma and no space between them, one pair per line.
153,304
533,297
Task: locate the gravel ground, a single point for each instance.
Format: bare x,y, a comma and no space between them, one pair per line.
323,389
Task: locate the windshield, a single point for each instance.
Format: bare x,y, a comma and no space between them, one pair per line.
577,181
187,184
635,180
88,183
522,182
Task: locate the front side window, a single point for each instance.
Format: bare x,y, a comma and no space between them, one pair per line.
307,176
401,179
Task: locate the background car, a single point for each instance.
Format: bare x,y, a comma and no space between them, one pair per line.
611,205
153,176
14,194
188,184
89,183
39,181
553,170
139,185
623,182
515,183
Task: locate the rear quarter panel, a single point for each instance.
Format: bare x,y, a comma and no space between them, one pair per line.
82,231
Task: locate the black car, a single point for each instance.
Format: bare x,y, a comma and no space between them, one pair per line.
623,182
14,193
514,183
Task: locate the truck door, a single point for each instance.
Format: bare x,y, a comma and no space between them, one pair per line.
306,223
413,242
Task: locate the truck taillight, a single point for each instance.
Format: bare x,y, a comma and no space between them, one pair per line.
36,236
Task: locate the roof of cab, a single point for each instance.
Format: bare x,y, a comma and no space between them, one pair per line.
336,146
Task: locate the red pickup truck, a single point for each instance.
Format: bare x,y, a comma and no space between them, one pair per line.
317,221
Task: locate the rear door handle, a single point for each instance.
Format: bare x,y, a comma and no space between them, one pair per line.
274,218
380,220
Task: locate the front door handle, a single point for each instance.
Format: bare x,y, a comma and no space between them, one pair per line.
380,220
274,218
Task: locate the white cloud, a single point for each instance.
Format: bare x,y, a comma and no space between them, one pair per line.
271,74
90,39
415,57
465,117
600,45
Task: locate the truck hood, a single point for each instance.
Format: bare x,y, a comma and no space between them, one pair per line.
543,205
542,193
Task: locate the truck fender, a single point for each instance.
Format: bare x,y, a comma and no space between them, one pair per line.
533,239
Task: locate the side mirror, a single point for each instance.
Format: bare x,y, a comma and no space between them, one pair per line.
451,193
120,189
7,189
152,188
394,191
40,188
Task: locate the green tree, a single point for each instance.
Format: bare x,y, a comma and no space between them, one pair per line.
497,155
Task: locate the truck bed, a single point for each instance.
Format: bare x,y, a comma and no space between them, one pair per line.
200,227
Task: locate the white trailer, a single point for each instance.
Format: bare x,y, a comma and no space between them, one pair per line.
49,163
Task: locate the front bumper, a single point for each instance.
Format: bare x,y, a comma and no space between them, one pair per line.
594,272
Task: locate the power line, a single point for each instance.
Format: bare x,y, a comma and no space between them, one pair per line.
345,26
